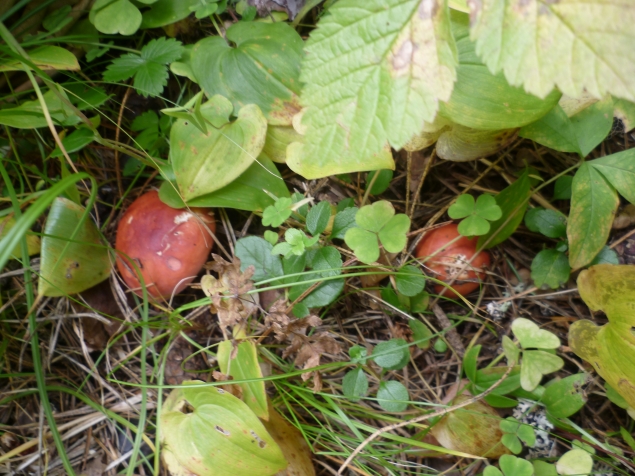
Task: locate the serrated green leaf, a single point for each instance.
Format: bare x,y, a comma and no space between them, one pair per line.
593,206
513,203
573,46
410,280
550,223
575,462
392,396
241,363
205,163
201,426
149,68
73,256
619,170
481,100
318,218
609,348
535,364
355,384
392,354
255,251
550,267
262,69
393,234
373,73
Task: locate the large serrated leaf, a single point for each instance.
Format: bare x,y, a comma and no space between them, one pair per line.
572,45
593,206
262,69
609,348
481,100
212,433
373,73
73,256
205,163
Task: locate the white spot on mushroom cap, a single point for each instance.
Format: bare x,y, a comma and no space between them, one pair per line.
130,219
182,218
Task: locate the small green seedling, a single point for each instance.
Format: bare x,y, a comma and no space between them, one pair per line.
538,358
476,215
377,223
514,432
296,242
510,466
276,214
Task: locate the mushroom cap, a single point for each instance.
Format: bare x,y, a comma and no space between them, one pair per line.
169,245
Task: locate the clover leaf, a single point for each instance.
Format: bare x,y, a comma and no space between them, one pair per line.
296,243
276,214
377,223
149,68
514,431
477,214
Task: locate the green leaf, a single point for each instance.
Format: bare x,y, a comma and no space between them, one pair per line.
533,337
512,353
473,225
625,112
481,100
463,206
358,354
460,143
606,256
575,462
44,57
262,69
392,396
541,468
566,396
277,140
492,471
522,431
512,442
440,346
202,425
166,12
29,114
73,255
381,183
327,262
344,220
470,362
619,170
115,16
421,334
276,214
550,223
255,251
32,241
373,73
550,267
355,384
377,221
392,354
573,46
244,366
149,68
271,237
410,280
562,188
75,141
535,364
609,348
514,466
580,133
318,218
593,206
205,163
513,203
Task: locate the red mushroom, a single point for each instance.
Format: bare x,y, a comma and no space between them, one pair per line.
449,257
168,245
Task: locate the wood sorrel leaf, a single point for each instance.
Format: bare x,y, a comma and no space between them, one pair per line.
574,46
208,431
535,364
533,337
205,163
373,73
609,348
73,256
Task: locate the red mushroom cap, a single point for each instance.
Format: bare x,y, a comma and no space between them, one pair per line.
169,245
445,264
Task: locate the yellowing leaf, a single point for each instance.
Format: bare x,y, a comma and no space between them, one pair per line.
32,241
609,348
460,143
374,72
569,44
45,57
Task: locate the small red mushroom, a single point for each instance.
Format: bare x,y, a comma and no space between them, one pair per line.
168,245
450,257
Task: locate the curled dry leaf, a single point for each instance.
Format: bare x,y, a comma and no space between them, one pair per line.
228,292
308,349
